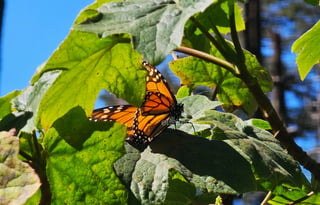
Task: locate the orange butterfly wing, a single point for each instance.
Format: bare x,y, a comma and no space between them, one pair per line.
159,98
158,109
124,114
146,122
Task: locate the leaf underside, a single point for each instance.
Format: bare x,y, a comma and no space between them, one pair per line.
156,27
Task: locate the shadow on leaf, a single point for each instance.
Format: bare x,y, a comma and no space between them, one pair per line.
75,128
15,120
206,158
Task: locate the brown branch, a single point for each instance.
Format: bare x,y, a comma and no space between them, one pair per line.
278,128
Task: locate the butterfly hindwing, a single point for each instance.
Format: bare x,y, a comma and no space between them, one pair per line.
147,127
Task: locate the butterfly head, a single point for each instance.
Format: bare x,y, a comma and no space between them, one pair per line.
176,111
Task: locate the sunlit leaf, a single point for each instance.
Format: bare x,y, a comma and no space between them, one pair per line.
93,64
307,49
83,173
218,15
5,103
230,90
156,26
287,194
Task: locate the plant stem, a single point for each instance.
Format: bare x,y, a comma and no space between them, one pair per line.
234,35
207,57
220,46
266,199
278,128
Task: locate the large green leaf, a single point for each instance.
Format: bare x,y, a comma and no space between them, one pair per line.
90,64
18,181
79,168
156,26
307,49
93,64
258,162
271,164
230,90
200,162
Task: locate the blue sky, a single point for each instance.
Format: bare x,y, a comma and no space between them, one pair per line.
32,30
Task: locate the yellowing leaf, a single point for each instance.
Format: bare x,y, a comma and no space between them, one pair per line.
18,181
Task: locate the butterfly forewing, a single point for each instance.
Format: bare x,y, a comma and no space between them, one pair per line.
155,104
146,122
157,85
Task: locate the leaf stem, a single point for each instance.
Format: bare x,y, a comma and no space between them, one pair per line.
266,199
207,57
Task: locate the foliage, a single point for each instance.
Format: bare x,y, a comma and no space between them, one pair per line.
18,180
308,54
79,161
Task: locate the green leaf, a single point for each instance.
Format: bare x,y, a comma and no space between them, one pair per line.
196,105
272,165
313,2
18,181
218,15
194,108
93,64
152,171
177,159
183,91
230,89
287,194
28,101
180,190
259,123
156,26
307,50
5,103
84,174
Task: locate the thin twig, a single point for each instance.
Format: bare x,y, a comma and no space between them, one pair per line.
266,199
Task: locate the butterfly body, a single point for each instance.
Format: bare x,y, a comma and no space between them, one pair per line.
158,110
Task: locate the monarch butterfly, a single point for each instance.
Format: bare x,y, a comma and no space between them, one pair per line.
158,110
